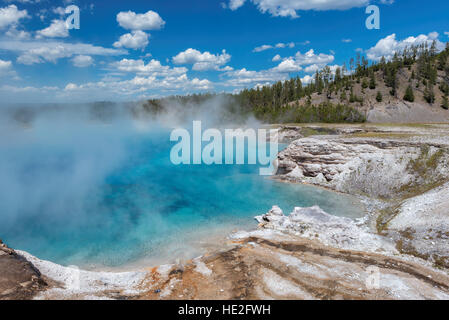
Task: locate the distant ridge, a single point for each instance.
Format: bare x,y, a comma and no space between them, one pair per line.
412,87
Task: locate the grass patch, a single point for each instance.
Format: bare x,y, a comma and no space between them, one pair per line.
383,135
405,248
308,131
407,125
414,189
384,218
424,168
432,162
440,262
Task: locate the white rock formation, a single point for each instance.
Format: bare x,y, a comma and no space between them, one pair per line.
314,223
80,284
356,167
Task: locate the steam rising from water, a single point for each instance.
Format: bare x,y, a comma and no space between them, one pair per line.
94,184
55,156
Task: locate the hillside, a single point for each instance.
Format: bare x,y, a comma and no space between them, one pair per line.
412,87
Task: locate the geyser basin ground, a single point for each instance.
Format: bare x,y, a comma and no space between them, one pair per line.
106,195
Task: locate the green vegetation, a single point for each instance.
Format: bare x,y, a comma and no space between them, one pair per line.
409,96
445,104
385,216
379,97
323,113
424,169
429,94
293,101
307,131
372,82
272,102
382,135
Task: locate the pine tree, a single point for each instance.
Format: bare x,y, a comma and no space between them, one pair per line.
298,88
379,97
409,96
364,84
444,87
319,84
352,97
372,82
429,95
390,80
309,101
445,104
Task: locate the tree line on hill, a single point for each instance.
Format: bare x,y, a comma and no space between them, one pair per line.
290,101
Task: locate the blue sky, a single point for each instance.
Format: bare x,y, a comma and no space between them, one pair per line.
128,50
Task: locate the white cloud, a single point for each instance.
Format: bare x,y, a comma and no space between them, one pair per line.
10,15
235,4
134,40
70,87
346,40
57,29
59,11
42,14
276,58
17,34
313,61
201,84
447,33
113,89
139,85
288,65
31,52
277,46
146,21
389,45
23,1
307,79
289,8
153,68
312,69
227,68
311,58
6,70
284,45
248,78
263,48
82,61
5,65
202,61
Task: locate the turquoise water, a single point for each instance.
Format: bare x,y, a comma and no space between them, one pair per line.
108,196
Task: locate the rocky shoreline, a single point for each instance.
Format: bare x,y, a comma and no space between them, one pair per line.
401,172
399,251
19,278
308,254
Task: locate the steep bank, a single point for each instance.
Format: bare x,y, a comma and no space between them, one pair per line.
412,86
403,111
402,170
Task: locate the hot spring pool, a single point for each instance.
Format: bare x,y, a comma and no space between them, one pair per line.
102,196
